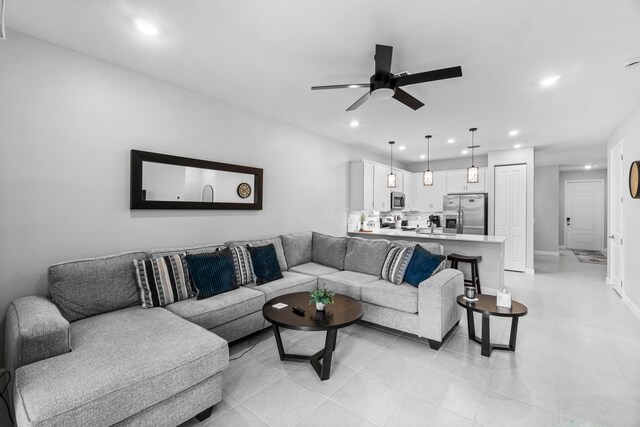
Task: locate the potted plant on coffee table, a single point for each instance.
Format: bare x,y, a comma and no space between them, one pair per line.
321,297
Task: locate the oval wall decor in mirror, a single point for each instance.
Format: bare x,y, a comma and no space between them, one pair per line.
634,179
161,181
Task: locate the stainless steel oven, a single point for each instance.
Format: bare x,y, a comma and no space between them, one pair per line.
397,200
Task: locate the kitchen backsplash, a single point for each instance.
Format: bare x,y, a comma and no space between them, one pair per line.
373,217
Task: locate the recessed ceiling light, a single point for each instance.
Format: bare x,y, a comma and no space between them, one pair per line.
550,81
514,132
451,140
587,167
402,147
517,146
146,27
354,123
422,156
465,151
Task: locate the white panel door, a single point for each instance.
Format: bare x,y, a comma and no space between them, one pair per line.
584,212
511,213
616,185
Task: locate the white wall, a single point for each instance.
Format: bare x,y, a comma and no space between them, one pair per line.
449,164
513,157
67,125
577,176
629,132
547,187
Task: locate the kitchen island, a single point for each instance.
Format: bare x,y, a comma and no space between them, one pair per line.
491,248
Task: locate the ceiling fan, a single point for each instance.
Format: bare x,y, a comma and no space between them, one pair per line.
384,84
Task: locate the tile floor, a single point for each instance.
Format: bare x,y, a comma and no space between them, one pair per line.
576,365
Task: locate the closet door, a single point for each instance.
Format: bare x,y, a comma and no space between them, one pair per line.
511,213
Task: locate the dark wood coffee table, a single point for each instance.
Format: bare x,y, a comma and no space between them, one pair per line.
343,312
486,305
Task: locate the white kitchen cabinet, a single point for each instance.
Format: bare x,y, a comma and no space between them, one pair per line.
408,190
457,182
429,197
361,186
381,193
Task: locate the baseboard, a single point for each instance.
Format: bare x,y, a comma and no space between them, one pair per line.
608,282
634,308
550,253
529,271
562,247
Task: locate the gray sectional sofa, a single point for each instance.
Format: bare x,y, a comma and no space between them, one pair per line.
89,355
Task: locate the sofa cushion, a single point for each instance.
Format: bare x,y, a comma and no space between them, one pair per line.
314,269
329,250
365,255
122,362
277,244
220,309
93,286
403,297
192,250
395,264
346,282
291,282
297,248
212,273
242,265
423,265
433,247
163,280
265,263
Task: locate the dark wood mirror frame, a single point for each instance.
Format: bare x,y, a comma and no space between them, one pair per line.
138,201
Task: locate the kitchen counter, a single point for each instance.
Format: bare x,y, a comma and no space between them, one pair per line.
437,235
491,248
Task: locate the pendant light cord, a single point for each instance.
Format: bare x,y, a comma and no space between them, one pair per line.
473,144
391,145
428,154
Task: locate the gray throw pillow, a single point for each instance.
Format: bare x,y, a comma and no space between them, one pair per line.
365,256
297,248
329,250
93,286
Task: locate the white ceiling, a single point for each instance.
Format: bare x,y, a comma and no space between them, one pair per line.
265,55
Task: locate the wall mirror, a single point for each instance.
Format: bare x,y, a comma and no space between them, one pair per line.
161,181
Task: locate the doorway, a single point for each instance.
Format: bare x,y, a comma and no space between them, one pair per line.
617,183
584,214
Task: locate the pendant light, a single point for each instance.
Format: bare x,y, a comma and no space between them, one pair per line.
472,171
427,176
391,178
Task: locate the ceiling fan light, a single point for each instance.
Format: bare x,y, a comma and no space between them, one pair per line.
427,178
472,174
382,93
391,180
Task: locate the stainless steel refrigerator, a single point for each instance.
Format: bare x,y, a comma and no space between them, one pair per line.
467,213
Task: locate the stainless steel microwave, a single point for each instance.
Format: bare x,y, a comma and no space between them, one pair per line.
397,200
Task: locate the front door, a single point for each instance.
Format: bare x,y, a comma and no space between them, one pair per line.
584,213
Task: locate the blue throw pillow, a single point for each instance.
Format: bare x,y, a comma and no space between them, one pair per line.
422,265
212,273
265,263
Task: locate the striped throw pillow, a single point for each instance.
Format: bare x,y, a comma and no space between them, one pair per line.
242,265
395,264
163,280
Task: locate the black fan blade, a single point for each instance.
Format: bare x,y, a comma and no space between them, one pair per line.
407,99
359,102
383,59
429,76
351,86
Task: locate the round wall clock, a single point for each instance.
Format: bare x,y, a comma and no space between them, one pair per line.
244,190
634,180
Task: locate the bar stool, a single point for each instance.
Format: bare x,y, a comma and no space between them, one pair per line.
473,261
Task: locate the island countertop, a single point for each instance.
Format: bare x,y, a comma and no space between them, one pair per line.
411,235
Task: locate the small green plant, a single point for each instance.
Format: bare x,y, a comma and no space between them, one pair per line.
363,218
321,296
